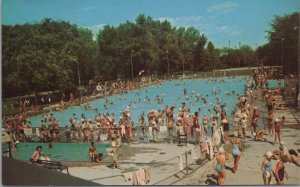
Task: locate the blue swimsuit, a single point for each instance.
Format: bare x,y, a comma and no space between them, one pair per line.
236,150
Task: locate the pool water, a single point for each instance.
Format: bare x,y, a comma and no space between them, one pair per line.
59,151
172,92
274,83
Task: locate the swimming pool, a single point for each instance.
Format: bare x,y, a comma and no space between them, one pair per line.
274,83
172,92
59,151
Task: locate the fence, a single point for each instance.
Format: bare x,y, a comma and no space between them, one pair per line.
164,172
101,134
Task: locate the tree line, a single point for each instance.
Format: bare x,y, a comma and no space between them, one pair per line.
58,55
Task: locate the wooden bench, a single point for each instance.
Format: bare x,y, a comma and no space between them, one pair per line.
54,165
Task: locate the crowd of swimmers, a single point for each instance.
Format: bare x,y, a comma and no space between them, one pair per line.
215,125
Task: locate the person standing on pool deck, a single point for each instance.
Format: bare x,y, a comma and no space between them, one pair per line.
244,126
225,124
266,168
170,129
270,121
197,127
280,171
205,122
277,125
143,123
214,124
255,117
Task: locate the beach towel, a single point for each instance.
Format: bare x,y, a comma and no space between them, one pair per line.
188,130
203,150
188,127
134,178
140,174
210,147
204,147
128,176
147,175
180,164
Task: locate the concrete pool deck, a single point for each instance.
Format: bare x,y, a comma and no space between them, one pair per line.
249,172
143,155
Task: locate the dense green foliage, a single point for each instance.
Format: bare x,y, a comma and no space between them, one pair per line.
44,56
283,45
51,54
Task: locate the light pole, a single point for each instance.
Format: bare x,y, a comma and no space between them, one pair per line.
298,59
79,82
131,66
168,63
256,54
282,39
182,68
240,54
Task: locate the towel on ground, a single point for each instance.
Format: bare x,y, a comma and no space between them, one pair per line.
127,176
140,174
141,177
147,175
180,164
134,178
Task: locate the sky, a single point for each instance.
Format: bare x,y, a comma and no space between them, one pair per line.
222,21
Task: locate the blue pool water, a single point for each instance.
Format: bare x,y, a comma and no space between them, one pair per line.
60,151
274,83
172,92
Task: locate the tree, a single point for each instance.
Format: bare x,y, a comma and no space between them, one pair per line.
44,56
283,42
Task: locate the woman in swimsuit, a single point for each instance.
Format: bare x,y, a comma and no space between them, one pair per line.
266,168
277,125
236,152
225,124
220,166
280,170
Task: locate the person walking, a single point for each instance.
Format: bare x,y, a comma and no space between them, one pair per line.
236,150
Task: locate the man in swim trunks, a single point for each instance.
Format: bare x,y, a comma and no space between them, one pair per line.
197,127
